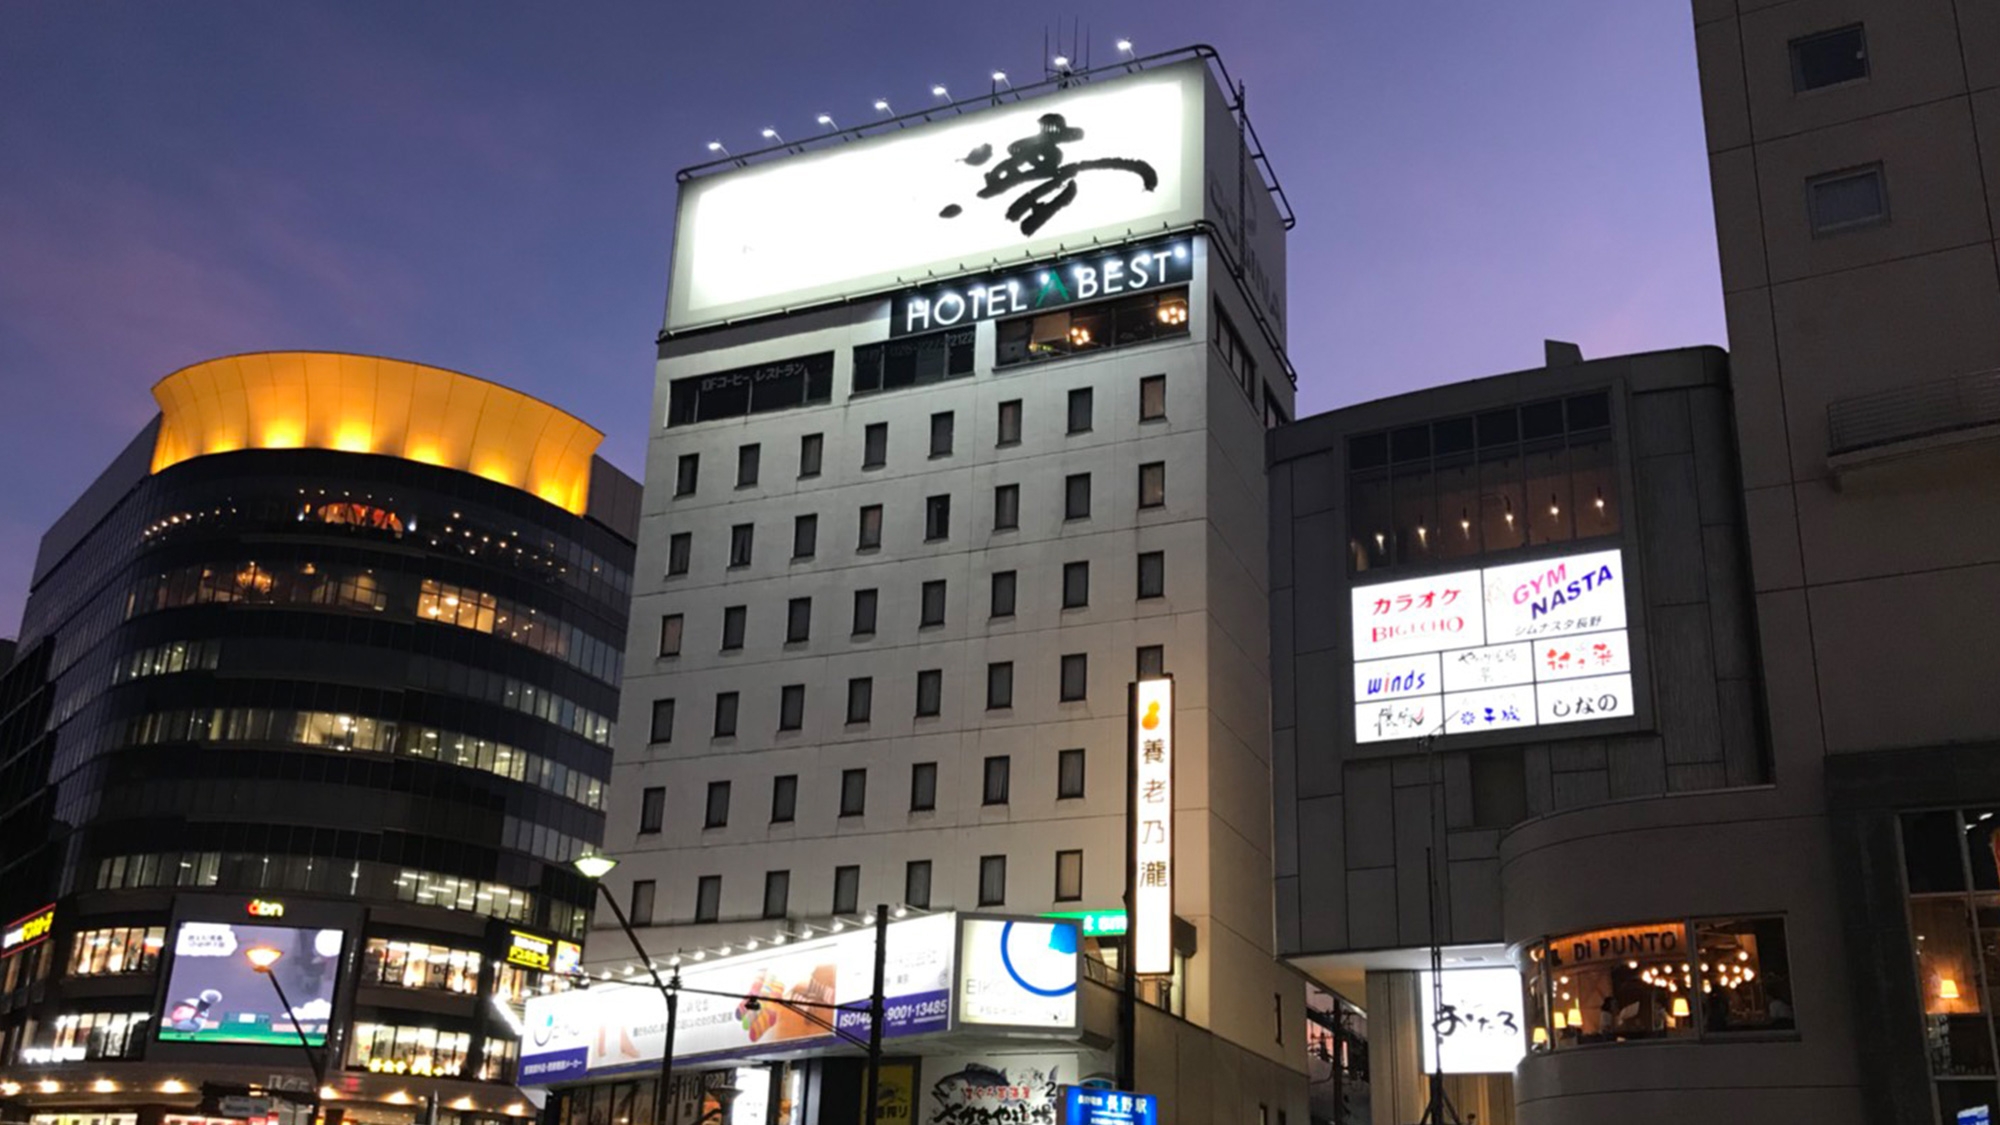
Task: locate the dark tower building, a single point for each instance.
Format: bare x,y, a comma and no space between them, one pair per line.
323,667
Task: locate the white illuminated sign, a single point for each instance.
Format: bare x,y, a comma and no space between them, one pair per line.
1480,650
1480,1026
1152,927
1018,973
1094,163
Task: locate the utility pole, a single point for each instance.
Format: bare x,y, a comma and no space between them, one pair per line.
875,1011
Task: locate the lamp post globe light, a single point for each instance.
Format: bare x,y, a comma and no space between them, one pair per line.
595,867
264,959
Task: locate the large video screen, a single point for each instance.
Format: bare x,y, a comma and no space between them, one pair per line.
215,995
1523,645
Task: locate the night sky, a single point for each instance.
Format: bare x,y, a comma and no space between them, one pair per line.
489,186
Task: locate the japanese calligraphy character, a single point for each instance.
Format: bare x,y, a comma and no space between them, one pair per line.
1153,832
1153,873
1153,792
1038,161
1153,751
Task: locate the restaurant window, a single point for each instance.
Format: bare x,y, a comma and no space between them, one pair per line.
913,361
941,434
1953,879
864,613
1010,423
747,459
707,899
680,548
1152,398
784,798
870,535
652,809
670,634
1002,600
90,1036
780,385
792,707
116,950
846,889
917,884
923,787
812,447
875,445
1006,507
427,1052
1082,329
419,965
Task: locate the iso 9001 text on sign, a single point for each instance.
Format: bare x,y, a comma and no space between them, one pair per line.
1152,827
1480,650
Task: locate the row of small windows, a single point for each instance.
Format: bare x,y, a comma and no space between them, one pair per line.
1150,582
942,438
167,659
846,897
448,604
1851,197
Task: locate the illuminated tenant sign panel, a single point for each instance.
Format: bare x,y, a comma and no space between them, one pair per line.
1152,827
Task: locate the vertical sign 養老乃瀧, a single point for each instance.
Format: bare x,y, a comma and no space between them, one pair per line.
1152,827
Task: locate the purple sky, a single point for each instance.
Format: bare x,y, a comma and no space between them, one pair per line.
489,186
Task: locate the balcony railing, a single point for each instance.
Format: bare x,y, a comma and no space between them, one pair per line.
1911,413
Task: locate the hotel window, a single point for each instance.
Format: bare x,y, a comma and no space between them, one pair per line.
993,880
853,792
707,899
1152,662
1152,398
1010,423
1079,410
1235,355
999,769
1081,329
1076,496
419,965
777,889
1069,876
864,613
932,601
805,536
652,809
846,889
941,427
875,445
923,787
1075,677
1829,58
1845,200
930,693
937,518
784,798
116,950
798,620
680,547
1069,775
716,814
725,714
1076,585
999,685
781,385
870,536
663,720
1153,484
735,622
1007,507
739,544
1152,574
811,448
641,909
792,707
687,474
1003,594
670,634
917,884
913,361
747,458
860,699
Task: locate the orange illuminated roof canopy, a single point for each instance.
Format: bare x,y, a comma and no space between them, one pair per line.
362,404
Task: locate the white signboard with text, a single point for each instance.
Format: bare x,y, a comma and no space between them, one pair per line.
1511,646
1152,827
1018,973
1480,1026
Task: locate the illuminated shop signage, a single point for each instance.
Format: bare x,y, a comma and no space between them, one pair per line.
1480,1026
265,908
1094,923
1152,826
530,951
1018,973
1512,646
29,930
1039,288
1624,943
1088,1105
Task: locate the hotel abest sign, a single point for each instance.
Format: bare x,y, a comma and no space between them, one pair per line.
1043,288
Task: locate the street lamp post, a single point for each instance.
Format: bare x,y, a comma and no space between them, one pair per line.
263,959
875,1012
595,868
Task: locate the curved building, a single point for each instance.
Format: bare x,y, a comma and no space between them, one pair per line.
324,667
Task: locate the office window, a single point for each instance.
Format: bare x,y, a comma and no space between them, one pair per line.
917,884
805,536
670,634
1274,416
923,787
1069,876
1079,410
1076,496
941,427
784,384
853,792
860,699
1010,423
870,536
663,720
1153,484
708,898
1075,676
937,518
735,622
725,714
1003,594
998,771
1829,58
811,448
1076,585
1845,200
999,685
933,603
792,707
680,548
641,909
1138,319
777,890
1152,662
687,473
930,692
716,813
747,458
1235,354
875,445
914,361
1152,398
652,809
864,613
784,798
1069,775
993,880
1152,574
1006,507
846,889
739,544
798,620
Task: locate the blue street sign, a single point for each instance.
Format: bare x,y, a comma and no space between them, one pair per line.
1083,1105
